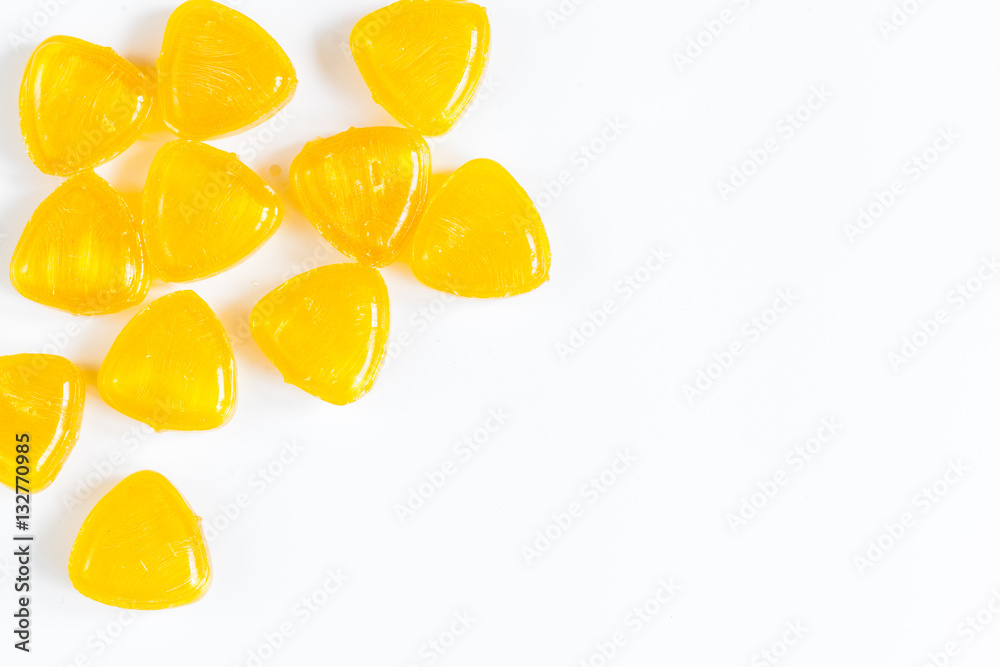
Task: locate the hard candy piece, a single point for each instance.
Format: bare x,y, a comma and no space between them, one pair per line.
82,251
41,406
172,366
481,236
80,104
141,547
423,59
219,72
203,211
363,189
326,330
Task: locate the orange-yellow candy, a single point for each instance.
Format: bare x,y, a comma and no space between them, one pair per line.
82,250
81,104
481,236
326,330
363,189
423,59
41,406
219,72
203,211
172,366
141,547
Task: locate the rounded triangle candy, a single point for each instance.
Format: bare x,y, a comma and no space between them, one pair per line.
80,105
364,189
219,72
203,211
82,251
141,547
41,409
423,59
481,236
326,330
172,366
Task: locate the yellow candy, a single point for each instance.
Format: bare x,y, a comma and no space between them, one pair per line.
41,406
141,547
80,105
203,211
172,366
326,330
481,236
82,251
423,59
364,189
219,72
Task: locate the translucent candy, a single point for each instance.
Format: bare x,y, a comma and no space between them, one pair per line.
82,251
423,59
203,211
41,405
326,330
172,366
364,189
80,104
219,72
481,236
141,547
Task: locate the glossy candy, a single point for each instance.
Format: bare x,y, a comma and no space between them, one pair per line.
326,330
219,72
80,104
82,250
363,189
481,236
423,59
141,547
172,366
41,405
203,211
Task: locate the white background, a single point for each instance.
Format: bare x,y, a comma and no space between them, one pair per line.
680,131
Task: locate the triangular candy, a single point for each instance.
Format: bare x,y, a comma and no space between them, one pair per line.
423,59
172,366
203,211
80,104
326,330
82,250
41,408
141,547
481,236
364,189
219,72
